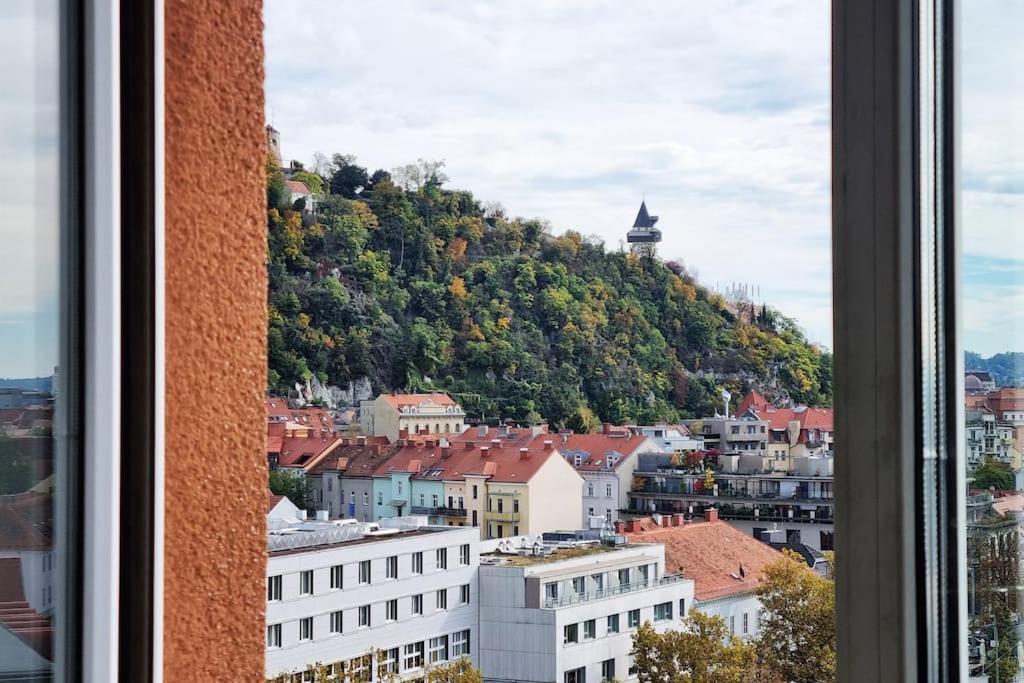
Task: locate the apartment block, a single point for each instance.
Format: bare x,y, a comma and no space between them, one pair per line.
366,599
567,614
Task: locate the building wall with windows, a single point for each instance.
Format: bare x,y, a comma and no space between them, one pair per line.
391,414
302,627
570,616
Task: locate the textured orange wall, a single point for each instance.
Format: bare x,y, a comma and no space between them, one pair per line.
216,336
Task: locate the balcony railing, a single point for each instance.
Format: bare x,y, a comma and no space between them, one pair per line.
502,516
766,498
451,512
574,598
421,510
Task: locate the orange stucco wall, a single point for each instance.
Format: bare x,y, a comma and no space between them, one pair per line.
216,332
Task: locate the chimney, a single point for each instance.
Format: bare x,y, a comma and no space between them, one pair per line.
322,516
606,428
301,514
631,525
485,451
524,454
496,443
678,519
346,441
446,451
482,431
375,449
666,520
361,440
470,445
711,515
620,526
548,445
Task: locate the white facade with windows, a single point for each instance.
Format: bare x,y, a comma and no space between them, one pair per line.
570,616
379,591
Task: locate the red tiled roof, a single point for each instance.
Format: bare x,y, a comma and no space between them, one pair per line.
299,451
512,436
754,400
353,458
17,616
297,186
272,500
399,400
710,553
595,449
502,463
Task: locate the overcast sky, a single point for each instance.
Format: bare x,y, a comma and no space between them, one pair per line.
571,111
718,113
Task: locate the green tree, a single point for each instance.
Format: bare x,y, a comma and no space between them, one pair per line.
995,475
701,651
294,486
347,178
797,639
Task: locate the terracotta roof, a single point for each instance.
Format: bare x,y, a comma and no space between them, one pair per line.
297,186
513,436
595,449
399,400
272,500
299,451
754,400
710,553
17,616
502,463
1012,501
355,459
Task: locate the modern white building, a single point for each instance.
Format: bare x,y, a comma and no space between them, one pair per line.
672,438
361,599
568,615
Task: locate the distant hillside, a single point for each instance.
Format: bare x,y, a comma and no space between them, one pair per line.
1007,368
29,383
416,286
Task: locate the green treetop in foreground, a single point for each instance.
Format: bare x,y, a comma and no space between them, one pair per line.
417,287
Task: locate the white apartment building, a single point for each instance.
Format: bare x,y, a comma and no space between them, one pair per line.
569,616
362,598
672,438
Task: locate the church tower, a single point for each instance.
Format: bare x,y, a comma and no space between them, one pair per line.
644,237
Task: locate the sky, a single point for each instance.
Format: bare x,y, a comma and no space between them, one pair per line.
717,113
571,111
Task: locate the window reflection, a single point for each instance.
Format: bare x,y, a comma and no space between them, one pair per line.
992,200
29,338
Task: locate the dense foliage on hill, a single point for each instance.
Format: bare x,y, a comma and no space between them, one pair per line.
1007,368
400,279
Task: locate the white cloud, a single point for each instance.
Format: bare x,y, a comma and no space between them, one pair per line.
718,112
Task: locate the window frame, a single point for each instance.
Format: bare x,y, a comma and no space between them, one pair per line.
900,533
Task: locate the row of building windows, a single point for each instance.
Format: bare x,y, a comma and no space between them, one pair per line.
636,577
364,615
411,657
607,490
587,630
306,582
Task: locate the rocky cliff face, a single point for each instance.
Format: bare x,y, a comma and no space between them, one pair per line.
333,397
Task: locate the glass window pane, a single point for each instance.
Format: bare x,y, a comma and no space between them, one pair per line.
31,544
992,225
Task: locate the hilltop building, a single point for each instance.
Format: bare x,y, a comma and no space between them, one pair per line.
643,238
407,415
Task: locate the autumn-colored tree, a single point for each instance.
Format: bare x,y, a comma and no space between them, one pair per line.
459,671
701,651
797,640
675,460
709,480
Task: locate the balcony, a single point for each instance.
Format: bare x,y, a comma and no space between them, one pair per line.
421,510
451,512
576,598
725,497
501,516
